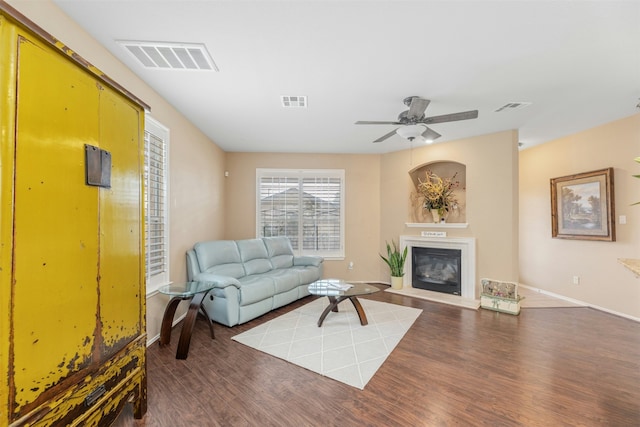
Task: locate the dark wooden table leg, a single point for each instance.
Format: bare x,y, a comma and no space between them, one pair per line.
167,321
360,310
333,306
207,317
187,326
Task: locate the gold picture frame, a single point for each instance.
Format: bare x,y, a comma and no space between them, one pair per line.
582,206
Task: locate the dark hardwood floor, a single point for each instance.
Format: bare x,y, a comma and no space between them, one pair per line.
455,366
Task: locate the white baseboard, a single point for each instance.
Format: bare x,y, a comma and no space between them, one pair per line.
157,337
578,302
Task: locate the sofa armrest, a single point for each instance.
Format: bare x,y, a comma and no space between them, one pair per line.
193,268
219,280
315,261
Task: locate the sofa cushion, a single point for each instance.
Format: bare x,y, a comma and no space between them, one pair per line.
284,279
253,254
307,274
219,257
255,288
280,251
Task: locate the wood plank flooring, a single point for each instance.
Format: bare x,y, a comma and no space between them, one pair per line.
455,366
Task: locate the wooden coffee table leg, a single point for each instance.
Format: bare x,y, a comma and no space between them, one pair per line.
187,327
208,318
333,306
360,310
167,321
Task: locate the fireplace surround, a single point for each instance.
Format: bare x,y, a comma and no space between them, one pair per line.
467,248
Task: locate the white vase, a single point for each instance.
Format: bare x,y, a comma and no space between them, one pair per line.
396,282
435,215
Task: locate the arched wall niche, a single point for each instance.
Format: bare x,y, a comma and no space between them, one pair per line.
444,169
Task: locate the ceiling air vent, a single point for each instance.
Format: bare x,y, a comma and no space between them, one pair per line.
511,106
294,101
171,56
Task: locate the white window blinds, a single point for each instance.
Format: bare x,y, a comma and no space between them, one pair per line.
307,206
156,199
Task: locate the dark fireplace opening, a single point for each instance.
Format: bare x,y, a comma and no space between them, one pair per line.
437,269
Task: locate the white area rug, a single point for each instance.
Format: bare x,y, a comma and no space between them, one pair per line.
341,349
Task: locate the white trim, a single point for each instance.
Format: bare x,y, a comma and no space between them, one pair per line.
151,340
436,225
159,130
581,303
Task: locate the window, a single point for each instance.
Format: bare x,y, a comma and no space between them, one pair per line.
156,196
305,205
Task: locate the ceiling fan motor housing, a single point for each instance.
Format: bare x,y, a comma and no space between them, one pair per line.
402,118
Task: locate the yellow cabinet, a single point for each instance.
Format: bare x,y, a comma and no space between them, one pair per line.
72,334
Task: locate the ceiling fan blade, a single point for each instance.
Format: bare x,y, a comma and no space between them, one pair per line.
388,135
417,107
473,114
367,122
430,135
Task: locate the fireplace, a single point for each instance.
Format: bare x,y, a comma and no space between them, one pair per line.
437,269
466,265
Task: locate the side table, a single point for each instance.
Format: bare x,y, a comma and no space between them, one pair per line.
194,291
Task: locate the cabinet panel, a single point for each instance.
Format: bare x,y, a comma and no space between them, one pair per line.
56,221
120,221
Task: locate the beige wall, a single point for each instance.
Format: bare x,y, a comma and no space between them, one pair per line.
491,198
550,264
377,191
362,195
196,164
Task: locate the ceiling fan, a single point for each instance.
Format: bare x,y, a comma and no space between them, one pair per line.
414,123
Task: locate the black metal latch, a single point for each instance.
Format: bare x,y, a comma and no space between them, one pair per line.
96,394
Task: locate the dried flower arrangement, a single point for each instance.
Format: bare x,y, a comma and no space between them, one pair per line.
437,192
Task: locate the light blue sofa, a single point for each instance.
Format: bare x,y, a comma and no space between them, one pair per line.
253,276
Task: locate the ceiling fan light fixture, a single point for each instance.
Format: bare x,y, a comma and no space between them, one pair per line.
411,132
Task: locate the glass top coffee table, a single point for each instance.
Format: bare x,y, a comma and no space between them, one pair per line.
338,291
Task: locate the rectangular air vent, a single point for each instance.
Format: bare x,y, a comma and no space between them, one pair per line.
171,56
294,101
513,106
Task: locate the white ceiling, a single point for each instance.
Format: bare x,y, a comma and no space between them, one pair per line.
577,62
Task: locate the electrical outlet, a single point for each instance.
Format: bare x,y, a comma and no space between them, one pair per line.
350,265
576,280
622,219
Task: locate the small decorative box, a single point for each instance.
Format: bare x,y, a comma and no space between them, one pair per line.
500,296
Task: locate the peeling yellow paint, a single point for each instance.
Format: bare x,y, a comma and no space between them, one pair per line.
72,334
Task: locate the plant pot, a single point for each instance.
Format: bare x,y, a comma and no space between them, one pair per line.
396,282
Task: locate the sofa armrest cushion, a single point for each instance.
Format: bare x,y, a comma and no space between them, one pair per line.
314,261
220,280
193,268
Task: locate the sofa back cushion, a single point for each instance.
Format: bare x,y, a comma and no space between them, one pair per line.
280,251
253,254
219,257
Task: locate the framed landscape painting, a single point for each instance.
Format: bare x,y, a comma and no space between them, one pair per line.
582,206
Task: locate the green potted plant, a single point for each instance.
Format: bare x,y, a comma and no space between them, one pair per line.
395,260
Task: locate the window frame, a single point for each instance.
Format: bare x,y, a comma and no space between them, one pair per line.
161,132
300,175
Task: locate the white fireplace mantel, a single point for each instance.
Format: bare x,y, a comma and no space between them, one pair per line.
467,247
